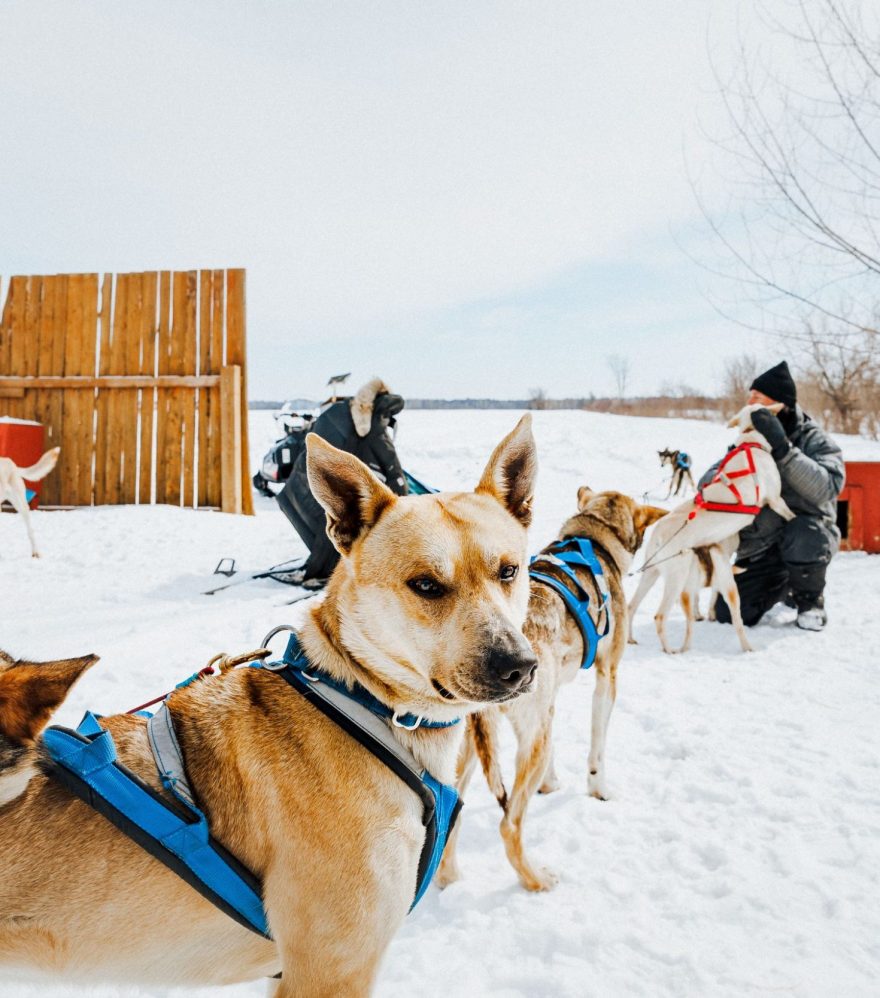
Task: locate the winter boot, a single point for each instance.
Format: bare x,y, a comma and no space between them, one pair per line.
807,586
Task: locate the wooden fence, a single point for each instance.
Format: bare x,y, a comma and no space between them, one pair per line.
141,380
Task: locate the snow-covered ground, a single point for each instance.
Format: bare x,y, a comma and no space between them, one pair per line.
740,854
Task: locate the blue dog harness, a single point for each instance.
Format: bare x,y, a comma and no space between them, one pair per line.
683,461
564,556
177,833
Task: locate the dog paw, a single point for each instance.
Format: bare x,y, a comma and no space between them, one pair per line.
540,880
550,785
447,873
631,641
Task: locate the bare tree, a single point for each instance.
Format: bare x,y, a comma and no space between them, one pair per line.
537,398
620,369
738,374
801,234
842,375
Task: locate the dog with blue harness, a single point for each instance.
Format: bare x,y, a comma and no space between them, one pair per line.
576,622
283,817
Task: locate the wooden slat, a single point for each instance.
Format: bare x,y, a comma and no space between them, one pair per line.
128,398
113,467
174,421
163,395
31,332
235,354
230,430
78,438
188,397
102,405
147,404
52,354
88,381
202,402
86,487
213,489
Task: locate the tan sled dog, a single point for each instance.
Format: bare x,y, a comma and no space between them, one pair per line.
425,610
615,525
12,479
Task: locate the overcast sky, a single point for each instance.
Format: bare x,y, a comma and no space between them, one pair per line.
465,198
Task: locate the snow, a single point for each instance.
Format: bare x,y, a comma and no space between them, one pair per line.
740,853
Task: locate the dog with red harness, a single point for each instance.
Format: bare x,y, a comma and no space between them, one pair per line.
745,481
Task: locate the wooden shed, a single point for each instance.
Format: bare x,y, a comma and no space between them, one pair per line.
858,508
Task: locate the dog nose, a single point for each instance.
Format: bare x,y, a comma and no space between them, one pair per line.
511,668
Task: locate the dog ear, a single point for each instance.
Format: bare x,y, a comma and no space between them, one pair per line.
510,474
31,691
644,516
733,421
585,494
352,497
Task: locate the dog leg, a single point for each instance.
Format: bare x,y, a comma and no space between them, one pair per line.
670,591
687,605
603,703
722,574
532,758
551,781
449,871
647,580
18,498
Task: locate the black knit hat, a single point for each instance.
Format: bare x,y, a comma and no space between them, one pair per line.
777,384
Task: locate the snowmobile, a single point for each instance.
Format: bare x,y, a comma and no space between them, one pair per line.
280,458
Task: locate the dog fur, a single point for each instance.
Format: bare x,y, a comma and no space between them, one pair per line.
615,524
679,474
425,609
12,479
669,553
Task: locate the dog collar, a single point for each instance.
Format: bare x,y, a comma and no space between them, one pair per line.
295,659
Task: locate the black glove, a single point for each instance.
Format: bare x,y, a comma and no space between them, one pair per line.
773,432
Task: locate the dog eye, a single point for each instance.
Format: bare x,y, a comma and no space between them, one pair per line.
427,587
508,573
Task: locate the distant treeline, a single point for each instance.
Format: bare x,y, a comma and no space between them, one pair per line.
684,406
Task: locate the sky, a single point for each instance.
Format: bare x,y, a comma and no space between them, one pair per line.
465,198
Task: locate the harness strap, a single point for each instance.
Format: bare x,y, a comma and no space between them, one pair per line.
440,803
85,763
727,479
562,555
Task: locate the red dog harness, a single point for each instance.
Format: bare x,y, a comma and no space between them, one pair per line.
723,493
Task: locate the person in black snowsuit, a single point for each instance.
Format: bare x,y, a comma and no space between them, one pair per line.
360,426
785,562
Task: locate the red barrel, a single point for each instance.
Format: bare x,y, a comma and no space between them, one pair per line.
22,440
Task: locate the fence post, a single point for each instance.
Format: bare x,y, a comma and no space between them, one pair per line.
230,439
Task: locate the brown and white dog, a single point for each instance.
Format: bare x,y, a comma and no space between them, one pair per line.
12,479
426,611
668,554
615,525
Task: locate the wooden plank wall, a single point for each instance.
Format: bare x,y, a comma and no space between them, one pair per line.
148,442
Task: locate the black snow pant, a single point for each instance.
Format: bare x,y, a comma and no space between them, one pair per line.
792,570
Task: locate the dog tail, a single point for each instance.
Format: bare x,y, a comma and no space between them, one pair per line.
483,730
42,468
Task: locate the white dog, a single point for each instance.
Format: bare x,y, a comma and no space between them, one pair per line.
716,514
12,479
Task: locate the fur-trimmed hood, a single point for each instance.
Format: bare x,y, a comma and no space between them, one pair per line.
362,405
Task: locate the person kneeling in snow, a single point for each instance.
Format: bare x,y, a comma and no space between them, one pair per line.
784,564
360,426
